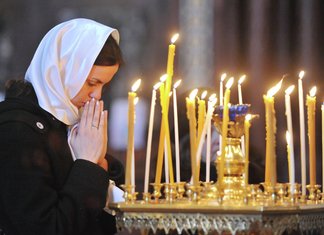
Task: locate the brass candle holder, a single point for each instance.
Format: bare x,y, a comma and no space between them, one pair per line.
170,192
180,189
130,195
314,193
156,191
234,161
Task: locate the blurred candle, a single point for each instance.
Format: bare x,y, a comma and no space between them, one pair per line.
302,132
239,88
171,54
322,108
291,156
201,113
149,138
131,124
247,125
159,164
211,106
221,97
271,129
176,130
311,106
225,127
291,167
191,115
221,89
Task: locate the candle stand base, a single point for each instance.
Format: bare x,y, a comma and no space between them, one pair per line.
314,193
147,197
130,195
156,191
170,192
181,189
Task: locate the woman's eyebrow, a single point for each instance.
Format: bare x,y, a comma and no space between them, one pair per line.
96,80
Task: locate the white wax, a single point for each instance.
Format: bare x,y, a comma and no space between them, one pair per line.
176,135
291,143
149,142
302,136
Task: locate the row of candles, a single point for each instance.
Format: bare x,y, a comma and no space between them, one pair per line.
199,131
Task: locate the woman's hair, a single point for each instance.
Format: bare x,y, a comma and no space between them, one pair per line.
110,54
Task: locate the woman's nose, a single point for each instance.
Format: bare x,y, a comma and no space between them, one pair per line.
96,93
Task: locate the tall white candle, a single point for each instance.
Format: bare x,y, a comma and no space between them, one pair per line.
133,151
209,114
322,108
176,131
239,88
149,138
291,169
221,101
302,132
291,156
211,103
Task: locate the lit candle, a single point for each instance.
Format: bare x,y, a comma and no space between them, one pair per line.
221,89
149,138
239,88
131,123
221,97
166,97
159,164
291,155
201,113
211,103
225,122
322,108
176,131
271,129
291,167
191,115
205,130
171,54
311,106
302,132
247,126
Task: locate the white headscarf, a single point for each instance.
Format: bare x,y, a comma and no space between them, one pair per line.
62,63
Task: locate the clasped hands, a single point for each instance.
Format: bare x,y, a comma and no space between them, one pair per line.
89,141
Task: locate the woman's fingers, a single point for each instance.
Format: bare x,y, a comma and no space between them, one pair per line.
96,114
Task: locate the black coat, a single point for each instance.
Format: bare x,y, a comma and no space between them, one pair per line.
42,190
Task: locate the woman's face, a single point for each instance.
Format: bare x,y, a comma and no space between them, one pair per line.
92,88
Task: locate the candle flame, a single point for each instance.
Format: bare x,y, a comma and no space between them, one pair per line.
301,74
312,92
287,137
289,89
204,94
136,100
274,89
248,117
174,38
177,83
157,85
164,77
193,94
136,85
223,77
241,80
229,83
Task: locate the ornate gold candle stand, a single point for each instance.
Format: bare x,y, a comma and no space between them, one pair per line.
231,207
233,184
